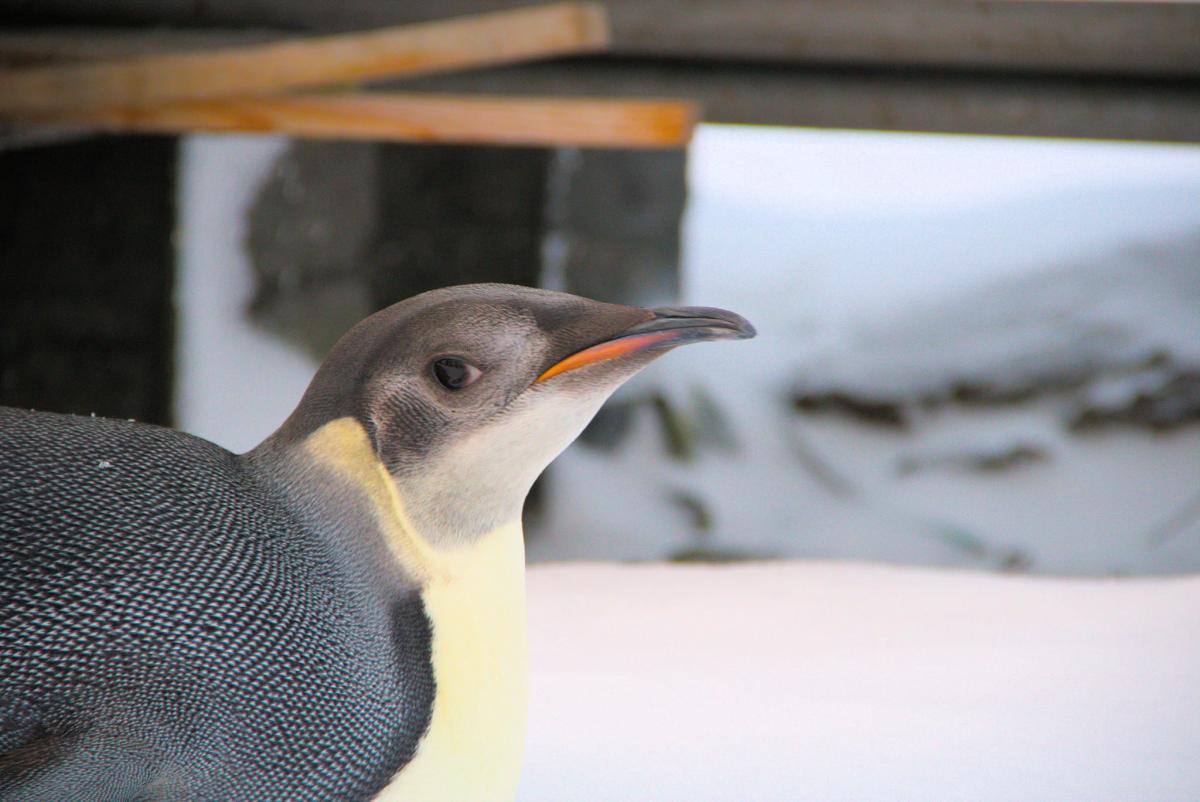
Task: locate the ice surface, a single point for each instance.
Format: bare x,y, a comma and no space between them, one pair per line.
810,681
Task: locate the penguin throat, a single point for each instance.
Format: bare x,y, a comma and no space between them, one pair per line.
343,448
478,484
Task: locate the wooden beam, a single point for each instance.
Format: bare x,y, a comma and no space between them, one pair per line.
930,101
1110,69
26,47
879,99
1095,36
547,121
1066,36
488,39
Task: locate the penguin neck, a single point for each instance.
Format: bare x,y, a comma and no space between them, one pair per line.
338,472
474,596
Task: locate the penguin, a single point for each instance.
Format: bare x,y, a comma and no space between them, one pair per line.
337,614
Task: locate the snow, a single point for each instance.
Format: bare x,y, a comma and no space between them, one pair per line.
813,681
820,236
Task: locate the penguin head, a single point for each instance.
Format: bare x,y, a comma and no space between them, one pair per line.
467,393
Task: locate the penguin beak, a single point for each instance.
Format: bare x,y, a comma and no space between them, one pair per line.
668,327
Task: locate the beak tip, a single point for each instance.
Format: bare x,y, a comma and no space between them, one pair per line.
722,324
744,329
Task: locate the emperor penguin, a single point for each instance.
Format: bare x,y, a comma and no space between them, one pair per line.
337,614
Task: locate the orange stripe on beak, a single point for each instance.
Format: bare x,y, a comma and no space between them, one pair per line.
609,350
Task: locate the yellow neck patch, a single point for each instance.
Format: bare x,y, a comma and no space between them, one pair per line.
474,596
343,446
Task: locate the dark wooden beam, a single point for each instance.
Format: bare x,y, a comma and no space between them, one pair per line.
1102,36
897,100
27,47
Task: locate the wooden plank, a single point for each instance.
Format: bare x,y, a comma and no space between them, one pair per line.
488,39
579,122
1064,36
929,101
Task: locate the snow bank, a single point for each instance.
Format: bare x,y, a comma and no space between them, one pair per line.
815,681
1113,330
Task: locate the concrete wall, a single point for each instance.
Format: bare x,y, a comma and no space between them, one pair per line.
342,229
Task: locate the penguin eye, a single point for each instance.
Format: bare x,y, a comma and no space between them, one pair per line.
454,373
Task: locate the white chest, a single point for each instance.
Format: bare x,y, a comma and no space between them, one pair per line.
473,748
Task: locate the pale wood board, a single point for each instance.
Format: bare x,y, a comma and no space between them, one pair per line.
399,117
277,67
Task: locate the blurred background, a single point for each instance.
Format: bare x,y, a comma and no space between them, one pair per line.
968,233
